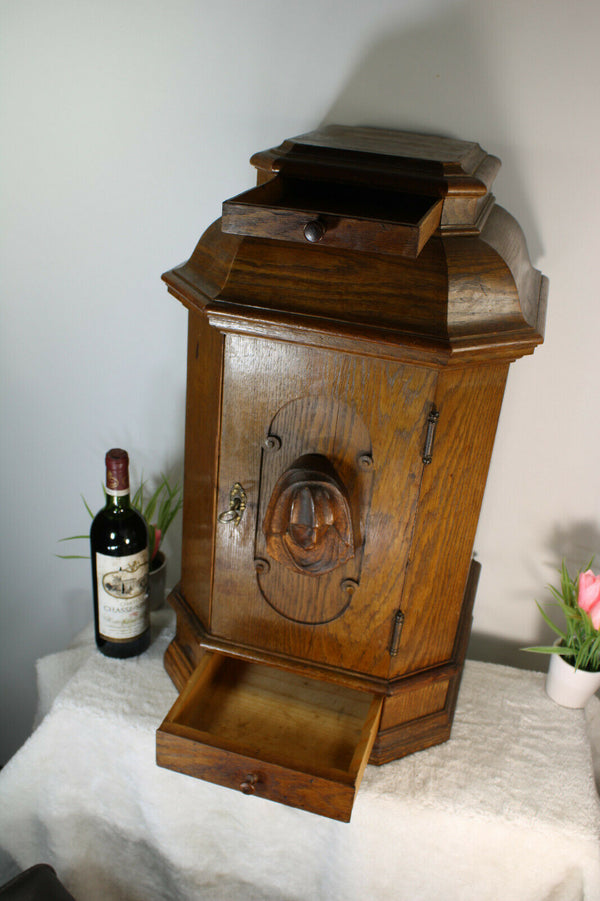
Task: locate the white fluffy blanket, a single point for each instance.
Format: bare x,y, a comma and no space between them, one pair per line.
507,809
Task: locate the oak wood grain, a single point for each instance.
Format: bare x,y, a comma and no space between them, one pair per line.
260,729
308,522
349,217
341,348
393,402
203,412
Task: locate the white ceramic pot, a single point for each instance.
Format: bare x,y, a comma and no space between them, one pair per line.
157,580
567,686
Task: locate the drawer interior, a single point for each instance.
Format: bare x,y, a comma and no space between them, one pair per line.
356,201
275,715
310,739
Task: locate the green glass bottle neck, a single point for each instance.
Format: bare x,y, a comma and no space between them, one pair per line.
116,502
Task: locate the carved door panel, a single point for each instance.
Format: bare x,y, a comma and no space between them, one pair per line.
314,500
319,471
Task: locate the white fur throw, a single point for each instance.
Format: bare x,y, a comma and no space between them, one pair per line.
507,809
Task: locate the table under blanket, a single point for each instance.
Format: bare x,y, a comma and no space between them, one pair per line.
506,809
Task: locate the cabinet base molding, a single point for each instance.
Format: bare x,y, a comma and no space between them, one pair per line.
414,711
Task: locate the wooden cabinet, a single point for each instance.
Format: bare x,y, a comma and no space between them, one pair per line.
351,324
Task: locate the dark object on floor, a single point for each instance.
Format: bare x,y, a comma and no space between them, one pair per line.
38,883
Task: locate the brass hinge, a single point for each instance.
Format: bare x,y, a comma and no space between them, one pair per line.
432,421
396,632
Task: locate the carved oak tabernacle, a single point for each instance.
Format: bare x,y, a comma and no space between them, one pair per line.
351,324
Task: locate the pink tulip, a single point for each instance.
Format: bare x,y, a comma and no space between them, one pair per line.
157,537
588,596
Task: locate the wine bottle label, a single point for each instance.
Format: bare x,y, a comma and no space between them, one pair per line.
123,609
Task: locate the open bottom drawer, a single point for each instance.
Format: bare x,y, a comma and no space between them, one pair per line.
272,733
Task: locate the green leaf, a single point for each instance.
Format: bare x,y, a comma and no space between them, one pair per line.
137,499
551,649
73,556
166,499
549,622
580,641
150,507
87,506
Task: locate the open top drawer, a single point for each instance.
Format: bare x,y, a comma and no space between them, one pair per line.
353,217
272,733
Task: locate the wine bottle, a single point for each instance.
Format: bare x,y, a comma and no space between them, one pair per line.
119,552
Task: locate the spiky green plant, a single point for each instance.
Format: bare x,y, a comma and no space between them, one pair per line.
159,511
579,641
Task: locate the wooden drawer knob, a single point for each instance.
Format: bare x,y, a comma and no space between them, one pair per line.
314,231
248,786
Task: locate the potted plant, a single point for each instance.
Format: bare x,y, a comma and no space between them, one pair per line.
159,510
574,669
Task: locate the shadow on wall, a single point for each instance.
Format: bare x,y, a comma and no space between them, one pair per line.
493,649
577,545
434,79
